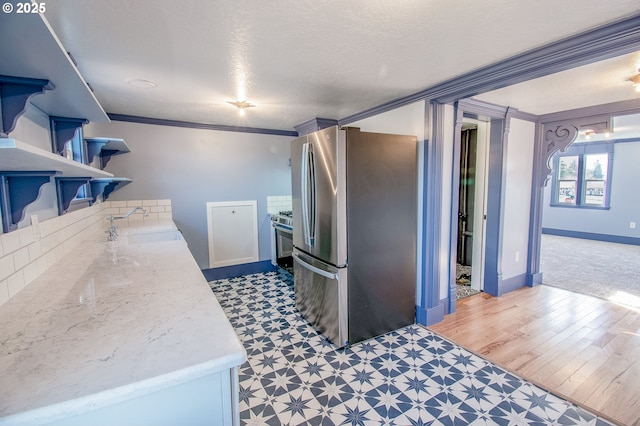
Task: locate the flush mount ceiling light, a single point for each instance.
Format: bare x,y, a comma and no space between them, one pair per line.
635,80
241,105
140,83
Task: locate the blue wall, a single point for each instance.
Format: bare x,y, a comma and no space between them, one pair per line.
607,225
194,166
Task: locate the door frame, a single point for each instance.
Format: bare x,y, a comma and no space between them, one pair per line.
498,119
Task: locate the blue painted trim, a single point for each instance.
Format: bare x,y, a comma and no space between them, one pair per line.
15,93
63,129
626,140
620,239
315,124
67,189
17,191
429,305
190,125
238,270
605,42
513,283
534,279
572,206
535,212
430,316
447,302
630,106
105,186
454,206
495,206
96,147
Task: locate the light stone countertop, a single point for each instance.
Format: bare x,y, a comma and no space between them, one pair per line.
111,322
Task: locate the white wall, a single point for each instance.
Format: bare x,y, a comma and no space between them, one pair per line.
195,166
406,120
517,198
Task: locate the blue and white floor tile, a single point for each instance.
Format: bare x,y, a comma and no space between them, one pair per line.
407,377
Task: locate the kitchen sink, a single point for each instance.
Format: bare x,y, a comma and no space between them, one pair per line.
154,236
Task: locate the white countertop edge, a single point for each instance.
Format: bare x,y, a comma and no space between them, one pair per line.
62,410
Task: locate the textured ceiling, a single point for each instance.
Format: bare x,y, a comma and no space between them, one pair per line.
300,59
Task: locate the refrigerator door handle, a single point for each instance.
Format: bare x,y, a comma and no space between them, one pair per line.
326,274
308,194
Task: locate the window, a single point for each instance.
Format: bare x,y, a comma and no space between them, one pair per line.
75,150
581,176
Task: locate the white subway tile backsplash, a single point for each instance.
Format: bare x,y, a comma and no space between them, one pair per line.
42,264
21,258
34,251
4,291
15,283
10,242
30,273
151,217
7,266
28,252
26,236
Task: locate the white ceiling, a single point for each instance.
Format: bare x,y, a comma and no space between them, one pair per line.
300,59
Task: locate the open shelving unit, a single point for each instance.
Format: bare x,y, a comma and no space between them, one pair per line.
36,69
35,52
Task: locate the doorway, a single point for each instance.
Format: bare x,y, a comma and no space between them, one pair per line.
472,208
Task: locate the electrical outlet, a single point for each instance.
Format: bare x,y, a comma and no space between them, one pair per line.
632,225
517,256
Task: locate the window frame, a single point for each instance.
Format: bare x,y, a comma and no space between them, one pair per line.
581,150
79,150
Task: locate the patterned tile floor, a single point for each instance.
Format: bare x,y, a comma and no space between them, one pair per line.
407,377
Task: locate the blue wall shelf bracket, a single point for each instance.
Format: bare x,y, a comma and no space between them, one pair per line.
106,186
63,129
67,189
17,191
15,93
105,148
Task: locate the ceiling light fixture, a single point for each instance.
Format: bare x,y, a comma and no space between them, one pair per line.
635,80
241,105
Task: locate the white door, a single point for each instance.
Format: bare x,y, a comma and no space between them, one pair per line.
233,233
480,214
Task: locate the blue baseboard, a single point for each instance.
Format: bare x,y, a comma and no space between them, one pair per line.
509,284
238,270
534,279
592,236
429,316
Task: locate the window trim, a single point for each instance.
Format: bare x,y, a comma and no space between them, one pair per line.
581,149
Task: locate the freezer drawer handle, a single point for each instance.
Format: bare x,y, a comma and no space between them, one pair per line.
318,271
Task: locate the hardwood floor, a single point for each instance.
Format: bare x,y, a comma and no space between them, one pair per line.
582,348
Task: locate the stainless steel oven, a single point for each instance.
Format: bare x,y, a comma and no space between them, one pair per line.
282,224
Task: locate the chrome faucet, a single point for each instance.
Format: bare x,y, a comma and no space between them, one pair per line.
112,231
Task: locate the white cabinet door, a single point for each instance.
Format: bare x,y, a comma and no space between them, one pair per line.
233,233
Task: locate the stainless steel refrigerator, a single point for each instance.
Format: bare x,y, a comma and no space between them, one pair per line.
354,197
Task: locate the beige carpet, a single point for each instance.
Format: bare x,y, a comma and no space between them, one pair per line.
606,270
